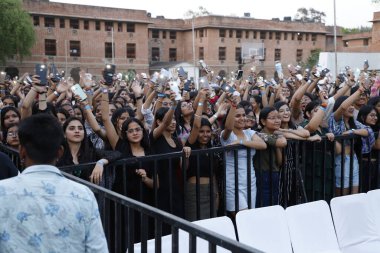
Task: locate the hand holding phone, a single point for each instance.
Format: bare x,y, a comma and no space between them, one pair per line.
77,91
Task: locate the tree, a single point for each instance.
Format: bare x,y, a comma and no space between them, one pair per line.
201,12
313,59
16,30
310,15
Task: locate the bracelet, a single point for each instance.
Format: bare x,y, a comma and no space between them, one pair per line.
56,93
322,108
200,104
87,107
100,162
196,115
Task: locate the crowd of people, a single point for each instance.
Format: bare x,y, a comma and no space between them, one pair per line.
135,117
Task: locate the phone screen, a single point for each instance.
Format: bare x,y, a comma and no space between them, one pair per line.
239,74
77,90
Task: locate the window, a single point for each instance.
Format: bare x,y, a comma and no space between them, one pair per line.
97,25
222,53
201,53
108,25
278,36
108,50
365,42
155,34
74,48
172,54
293,35
222,33
231,33
238,34
36,20
86,24
262,35
314,37
299,55
247,34
50,47
74,23
173,35
155,54
164,34
345,43
238,54
131,50
49,22
285,35
119,27
254,35
131,27
270,35
299,36
61,23
201,35
277,54
306,36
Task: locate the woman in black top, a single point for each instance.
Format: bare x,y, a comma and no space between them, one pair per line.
163,141
200,138
78,149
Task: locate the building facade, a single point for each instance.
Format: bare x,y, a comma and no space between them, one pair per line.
71,35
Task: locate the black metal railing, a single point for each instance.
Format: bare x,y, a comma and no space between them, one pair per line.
114,206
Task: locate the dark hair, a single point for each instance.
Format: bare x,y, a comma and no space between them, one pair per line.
258,100
160,113
264,114
309,107
245,104
76,106
363,114
179,118
4,111
13,98
63,111
41,135
278,105
85,153
119,111
228,111
374,101
6,132
145,140
50,109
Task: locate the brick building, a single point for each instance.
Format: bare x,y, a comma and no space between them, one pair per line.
73,35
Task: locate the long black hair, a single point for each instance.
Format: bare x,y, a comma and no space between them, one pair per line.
278,105
144,141
364,111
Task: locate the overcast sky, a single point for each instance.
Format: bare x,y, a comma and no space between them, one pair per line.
350,13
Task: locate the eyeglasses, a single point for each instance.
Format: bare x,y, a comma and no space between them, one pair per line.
250,117
274,118
167,103
132,130
12,134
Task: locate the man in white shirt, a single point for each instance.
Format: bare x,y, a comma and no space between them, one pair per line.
41,210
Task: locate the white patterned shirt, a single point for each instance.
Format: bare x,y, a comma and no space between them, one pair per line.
42,211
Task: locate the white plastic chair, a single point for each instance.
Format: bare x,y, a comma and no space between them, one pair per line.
374,203
311,228
264,229
220,225
354,224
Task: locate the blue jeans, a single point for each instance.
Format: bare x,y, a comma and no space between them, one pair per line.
346,171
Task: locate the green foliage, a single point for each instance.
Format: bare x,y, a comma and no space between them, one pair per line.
313,59
310,15
356,30
16,30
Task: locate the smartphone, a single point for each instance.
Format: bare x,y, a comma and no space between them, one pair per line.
154,77
203,82
324,72
186,86
278,67
74,73
239,74
307,75
28,80
41,71
182,73
366,65
299,77
77,91
227,88
174,87
56,76
2,76
204,66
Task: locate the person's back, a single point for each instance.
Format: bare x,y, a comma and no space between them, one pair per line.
41,210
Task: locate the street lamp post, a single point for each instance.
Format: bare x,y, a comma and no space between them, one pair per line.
193,35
